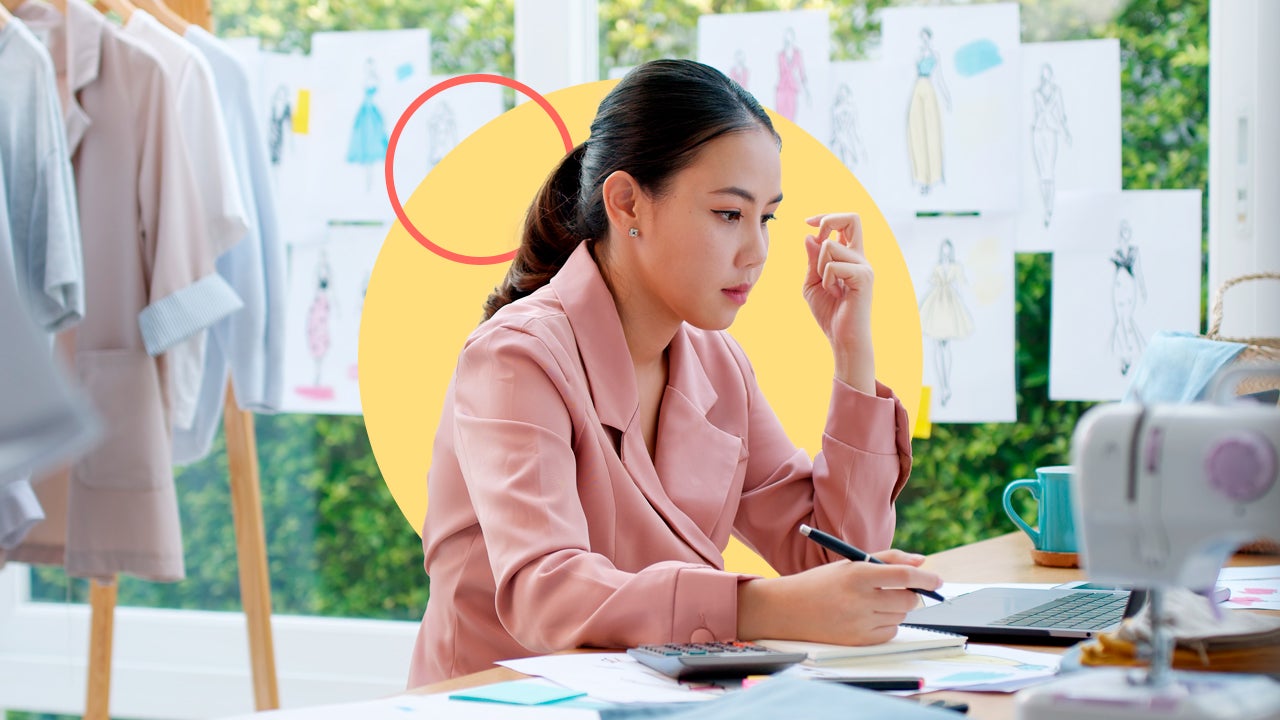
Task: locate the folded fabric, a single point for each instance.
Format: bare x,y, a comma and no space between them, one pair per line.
787,698
1177,367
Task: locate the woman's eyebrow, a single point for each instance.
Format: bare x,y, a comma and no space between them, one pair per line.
744,194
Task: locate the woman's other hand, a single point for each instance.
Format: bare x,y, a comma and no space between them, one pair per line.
838,289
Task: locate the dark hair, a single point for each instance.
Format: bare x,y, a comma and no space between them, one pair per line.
652,125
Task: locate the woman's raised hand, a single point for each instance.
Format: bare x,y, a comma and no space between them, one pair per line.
838,289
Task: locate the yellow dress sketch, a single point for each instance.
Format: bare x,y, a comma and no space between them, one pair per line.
924,117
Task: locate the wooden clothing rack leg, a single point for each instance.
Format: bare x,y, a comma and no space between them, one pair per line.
102,609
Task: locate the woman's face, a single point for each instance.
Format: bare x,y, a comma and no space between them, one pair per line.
703,243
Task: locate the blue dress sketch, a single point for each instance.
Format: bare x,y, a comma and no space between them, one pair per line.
1049,122
943,315
1127,290
368,145
924,117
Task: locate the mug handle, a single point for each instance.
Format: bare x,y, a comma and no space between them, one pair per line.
1034,486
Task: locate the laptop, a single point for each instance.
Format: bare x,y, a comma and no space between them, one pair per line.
1041,616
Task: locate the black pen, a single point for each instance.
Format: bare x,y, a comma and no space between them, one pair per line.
840,547
879,683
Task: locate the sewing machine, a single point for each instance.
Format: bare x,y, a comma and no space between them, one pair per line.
1163,495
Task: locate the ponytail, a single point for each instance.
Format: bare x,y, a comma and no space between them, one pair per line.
552,230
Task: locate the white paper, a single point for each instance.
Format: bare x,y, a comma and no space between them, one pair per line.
1255,594
954,78
1069,99
369,80
980,665
286,106
1266,572
608,677
405,707
326,286
780,57
1130,269
963,272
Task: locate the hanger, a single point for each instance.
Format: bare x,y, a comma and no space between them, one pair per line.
5,17
164,14
123,8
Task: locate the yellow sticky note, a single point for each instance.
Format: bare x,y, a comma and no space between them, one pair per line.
302,112
923,428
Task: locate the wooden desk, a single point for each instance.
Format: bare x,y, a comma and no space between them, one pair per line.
1001,559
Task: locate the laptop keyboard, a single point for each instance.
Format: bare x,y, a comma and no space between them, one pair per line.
1078,611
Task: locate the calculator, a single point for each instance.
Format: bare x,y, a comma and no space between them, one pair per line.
688,661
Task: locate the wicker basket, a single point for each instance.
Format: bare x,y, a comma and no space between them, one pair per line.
1258,351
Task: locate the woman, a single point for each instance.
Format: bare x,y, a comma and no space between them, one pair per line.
943,314
1050,120
1128,290
603,436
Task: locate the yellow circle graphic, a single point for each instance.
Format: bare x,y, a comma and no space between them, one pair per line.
420,307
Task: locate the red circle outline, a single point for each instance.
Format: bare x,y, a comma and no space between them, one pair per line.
389,163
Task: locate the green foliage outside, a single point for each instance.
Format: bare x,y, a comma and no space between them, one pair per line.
338,544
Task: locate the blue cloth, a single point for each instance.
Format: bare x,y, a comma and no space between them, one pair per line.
369,139
248,345
925,66
1177,367
788,698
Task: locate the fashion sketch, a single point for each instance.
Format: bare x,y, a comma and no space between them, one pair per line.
924,116
318,327
791,78
845,142
368,145
442,134
279,122
1049,121
943,315
739,72
1128,290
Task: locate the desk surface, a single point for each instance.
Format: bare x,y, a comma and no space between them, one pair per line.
1001,559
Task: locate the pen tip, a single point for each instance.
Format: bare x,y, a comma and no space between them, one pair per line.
804,530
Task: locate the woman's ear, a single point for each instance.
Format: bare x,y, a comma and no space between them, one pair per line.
621,194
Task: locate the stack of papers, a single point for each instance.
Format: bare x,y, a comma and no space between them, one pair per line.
909,641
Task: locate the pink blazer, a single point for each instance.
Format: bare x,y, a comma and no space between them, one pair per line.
549,527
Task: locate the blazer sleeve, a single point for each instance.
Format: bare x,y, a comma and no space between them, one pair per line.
513,434
848,490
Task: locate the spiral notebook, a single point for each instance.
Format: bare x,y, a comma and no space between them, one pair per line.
908,640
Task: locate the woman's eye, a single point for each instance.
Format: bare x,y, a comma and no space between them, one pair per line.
729,215
767,218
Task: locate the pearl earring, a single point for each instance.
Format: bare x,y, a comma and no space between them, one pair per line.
634,232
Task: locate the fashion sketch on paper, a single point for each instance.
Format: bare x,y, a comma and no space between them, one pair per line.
319,338
1049,121
845,141
442,134
279,122
924,117
791,78
368,145
1128,290
739,72
944,317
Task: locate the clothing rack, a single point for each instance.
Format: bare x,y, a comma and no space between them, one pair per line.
251,545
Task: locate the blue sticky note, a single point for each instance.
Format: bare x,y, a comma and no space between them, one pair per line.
404,71
977,57
517,692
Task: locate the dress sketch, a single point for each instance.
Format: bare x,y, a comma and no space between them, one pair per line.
368,145
739,72
1127,290
791,77
442,134
924,117
1049,122
318,330
943,315
845,142
279,122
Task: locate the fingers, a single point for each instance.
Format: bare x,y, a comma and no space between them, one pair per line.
897,576
835,262
898,557
847,225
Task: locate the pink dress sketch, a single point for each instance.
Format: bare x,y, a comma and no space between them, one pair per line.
944,316
739,72
791,77
318,335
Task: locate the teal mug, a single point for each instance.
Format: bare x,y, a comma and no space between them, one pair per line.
1051,487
